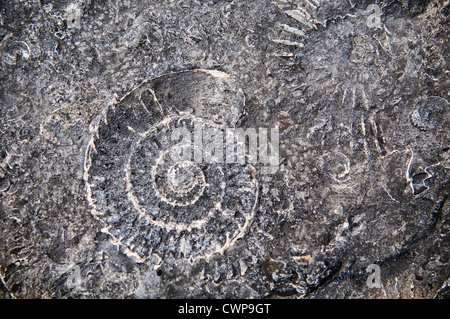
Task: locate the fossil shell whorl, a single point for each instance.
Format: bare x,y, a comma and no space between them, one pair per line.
152,202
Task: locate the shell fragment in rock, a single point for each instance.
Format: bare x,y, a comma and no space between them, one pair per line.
433,114
15,51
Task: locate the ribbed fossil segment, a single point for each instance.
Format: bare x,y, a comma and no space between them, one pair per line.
154,193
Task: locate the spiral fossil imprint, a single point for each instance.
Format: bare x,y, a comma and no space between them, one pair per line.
152,203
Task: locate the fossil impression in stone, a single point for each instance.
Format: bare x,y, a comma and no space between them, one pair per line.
153,202
431,114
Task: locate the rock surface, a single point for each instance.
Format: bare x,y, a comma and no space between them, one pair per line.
91,205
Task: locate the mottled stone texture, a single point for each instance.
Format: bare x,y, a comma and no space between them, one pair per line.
90,92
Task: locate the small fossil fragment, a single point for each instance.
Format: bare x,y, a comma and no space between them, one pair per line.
431,114
336,166
15,51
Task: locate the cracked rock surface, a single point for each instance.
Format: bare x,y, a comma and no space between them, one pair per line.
93,204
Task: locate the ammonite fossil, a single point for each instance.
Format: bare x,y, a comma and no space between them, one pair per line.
150,200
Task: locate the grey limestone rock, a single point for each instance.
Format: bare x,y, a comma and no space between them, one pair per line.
94,205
